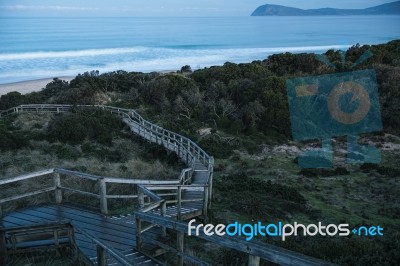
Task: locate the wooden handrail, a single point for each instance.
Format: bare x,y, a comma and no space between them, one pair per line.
185,148
103,248
253,248
26,176
25,195
147,192
58,188
129,114
174,187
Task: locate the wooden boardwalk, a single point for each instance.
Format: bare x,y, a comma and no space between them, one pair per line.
133,239
119,233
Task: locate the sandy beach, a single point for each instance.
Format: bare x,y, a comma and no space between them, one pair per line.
28,86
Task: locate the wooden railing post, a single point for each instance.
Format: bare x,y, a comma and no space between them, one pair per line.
141,199
3,249
138,234
103,196
163,213
254,261
180,243
205,204
57,185
210,181
179,148
72,241
188,152
101,256
179,215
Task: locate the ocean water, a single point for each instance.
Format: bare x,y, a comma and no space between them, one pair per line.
34,48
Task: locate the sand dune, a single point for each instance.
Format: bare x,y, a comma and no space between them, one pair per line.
28,86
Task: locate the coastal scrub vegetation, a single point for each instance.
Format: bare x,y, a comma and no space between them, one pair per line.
239,114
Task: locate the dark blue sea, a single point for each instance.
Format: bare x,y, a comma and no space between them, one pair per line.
33,48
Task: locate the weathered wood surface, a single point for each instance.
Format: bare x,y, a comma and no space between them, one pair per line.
114,234
21,239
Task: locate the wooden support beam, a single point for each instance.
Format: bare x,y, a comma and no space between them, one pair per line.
138,235
3,249
163,213
141,199
205,204
101,256
179,214
149,193
73,246
180,246
210,180
151,206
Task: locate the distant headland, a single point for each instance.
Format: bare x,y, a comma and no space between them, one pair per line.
278,10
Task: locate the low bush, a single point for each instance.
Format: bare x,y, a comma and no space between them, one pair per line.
258,198
315,172
92,124
218,148
10,140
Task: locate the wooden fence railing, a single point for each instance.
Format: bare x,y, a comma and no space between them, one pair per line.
58,188
103,249
148,129
186,149
38,237
255,250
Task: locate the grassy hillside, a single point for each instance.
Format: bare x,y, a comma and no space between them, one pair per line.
87,141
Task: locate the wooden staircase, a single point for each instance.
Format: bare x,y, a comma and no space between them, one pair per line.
192,191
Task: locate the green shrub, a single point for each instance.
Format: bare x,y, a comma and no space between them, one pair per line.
218,148
367,167
389,171
103,153
10,140
67,152
315,172
93,124
258,198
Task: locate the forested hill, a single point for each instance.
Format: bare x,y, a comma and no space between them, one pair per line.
278,10
238,99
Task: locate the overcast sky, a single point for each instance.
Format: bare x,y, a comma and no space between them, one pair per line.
161,7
